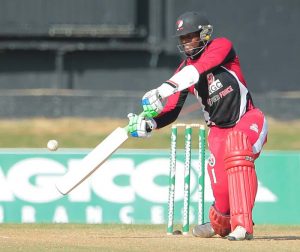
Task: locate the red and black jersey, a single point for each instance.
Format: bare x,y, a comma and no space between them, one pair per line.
221,88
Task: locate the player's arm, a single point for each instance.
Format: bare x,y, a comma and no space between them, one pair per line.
152,101
142,126
171,109
219,52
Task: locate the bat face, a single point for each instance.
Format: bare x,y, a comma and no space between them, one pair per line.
92,161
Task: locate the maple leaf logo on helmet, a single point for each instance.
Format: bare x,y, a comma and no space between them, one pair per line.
179,24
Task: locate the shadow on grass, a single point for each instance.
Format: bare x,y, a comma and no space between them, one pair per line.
278,238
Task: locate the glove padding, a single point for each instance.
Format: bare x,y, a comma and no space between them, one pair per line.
152,103
139,126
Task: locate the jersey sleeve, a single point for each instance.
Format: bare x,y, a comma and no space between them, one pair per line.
218,52
171,109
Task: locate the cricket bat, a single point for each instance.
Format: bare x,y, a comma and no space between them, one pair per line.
92,161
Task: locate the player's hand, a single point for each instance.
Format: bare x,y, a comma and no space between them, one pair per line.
139,126
152,103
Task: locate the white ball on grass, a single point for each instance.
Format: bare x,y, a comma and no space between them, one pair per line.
52,145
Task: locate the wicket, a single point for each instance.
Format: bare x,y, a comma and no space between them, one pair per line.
187,170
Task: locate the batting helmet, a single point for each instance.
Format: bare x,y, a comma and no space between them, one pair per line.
191,22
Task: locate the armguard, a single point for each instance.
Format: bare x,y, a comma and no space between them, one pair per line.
183,79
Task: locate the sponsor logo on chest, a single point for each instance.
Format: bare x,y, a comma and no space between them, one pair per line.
213,84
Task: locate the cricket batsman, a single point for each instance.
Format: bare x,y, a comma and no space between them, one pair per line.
238,130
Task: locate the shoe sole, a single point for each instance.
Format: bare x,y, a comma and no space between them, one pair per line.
247,237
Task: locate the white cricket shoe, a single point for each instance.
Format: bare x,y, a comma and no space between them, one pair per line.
239,234
204,231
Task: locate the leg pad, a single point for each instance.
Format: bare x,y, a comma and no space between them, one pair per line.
242,181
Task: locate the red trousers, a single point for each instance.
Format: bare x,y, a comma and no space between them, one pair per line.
254,125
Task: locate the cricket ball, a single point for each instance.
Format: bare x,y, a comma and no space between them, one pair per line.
52,145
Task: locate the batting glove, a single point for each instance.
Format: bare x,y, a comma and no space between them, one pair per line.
139,126
152,103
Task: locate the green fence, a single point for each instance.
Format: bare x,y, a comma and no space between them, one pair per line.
131,187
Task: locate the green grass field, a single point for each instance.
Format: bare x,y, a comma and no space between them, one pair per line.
131,238
87,133
79,133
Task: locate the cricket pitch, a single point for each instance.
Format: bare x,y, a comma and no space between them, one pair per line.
117,237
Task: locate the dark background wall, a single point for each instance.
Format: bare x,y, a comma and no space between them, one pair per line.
97,58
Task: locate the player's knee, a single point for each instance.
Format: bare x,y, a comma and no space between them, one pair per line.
238,150
219,222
